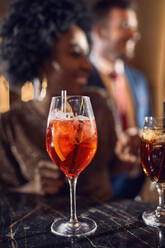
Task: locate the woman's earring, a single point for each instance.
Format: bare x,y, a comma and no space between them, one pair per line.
43,89
56,66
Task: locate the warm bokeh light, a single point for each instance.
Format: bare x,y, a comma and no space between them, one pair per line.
4,95
27,92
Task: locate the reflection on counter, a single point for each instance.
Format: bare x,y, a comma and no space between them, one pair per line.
25,222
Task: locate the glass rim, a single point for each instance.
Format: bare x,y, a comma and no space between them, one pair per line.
69,96
159,117
154,122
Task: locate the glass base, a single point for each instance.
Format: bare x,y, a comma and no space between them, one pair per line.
84,226
150,218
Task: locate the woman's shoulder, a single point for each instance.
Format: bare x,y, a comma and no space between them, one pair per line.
16,115
17,109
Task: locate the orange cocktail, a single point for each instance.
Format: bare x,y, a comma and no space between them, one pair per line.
72,144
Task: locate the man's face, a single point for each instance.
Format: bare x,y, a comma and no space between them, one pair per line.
120,34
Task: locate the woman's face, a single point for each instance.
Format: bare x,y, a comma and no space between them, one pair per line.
69,67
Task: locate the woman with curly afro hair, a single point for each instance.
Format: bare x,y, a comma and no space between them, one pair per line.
48,39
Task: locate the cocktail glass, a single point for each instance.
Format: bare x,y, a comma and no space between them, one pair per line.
153,163
71,141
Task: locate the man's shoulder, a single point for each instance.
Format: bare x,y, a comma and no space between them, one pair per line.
96,92
134,72
94,78
100,98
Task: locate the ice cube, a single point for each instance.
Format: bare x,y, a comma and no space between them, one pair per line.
81,118
59,115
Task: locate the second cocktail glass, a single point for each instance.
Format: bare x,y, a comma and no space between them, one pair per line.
153,163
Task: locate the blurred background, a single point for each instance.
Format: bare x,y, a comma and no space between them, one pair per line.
150,54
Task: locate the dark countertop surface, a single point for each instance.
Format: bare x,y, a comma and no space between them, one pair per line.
25,222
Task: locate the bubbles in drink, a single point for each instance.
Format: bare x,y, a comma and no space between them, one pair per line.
153,135
60,115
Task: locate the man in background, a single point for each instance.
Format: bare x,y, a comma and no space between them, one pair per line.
114,36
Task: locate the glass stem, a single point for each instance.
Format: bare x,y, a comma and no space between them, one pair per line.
72,183
161,207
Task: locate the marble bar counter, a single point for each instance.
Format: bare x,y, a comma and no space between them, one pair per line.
25,223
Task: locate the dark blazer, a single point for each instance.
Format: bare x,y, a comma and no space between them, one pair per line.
139,88
122,185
